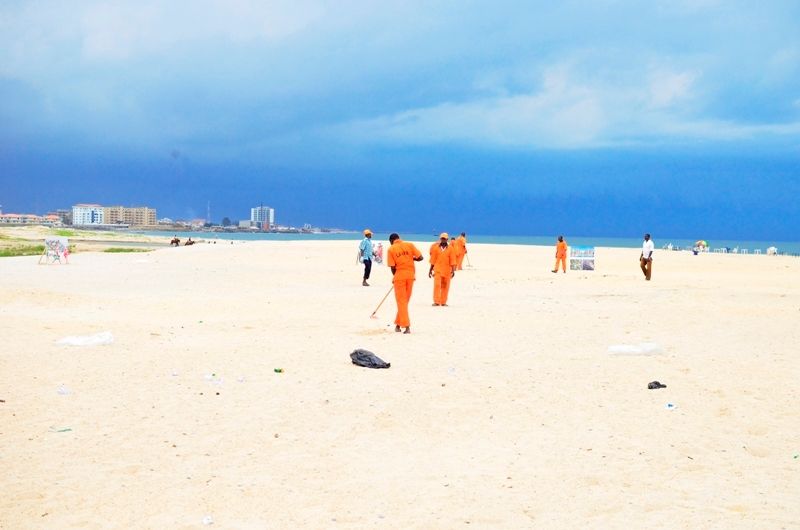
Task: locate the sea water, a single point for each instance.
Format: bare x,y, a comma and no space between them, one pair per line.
784,247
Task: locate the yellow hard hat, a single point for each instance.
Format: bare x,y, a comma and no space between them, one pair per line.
367,232
444,235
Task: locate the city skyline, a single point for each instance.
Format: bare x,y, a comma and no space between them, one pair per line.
612,118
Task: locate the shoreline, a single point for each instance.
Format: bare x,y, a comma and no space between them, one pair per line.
101,240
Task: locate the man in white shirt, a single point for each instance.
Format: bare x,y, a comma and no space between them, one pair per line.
646,259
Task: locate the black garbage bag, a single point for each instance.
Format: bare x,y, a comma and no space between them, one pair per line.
367,359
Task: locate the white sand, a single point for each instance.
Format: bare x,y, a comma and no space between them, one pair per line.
504,410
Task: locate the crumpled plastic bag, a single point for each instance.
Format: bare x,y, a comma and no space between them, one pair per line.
97,339
367,359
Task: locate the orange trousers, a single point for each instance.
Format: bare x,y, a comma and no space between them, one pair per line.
402,294
441,286
563,264
460,260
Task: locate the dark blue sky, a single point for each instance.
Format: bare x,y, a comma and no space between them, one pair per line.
675,117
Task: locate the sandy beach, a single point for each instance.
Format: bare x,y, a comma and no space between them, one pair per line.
504,410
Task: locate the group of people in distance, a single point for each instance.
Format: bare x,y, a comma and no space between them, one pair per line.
446,256
645,258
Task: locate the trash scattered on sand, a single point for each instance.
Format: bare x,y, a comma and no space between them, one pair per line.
97,339
671,406
63,429
240,379
208,520
278,370
645,348
64,391
655,385
367,359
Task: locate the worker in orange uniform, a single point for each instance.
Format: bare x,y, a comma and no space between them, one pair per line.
461,249
561,254
443,269
400,258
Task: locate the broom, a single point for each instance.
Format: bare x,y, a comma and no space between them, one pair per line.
382,301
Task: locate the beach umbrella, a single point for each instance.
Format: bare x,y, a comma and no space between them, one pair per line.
701,243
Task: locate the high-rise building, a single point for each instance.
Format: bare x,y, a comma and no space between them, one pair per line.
139,216
263,215
88,214
95,214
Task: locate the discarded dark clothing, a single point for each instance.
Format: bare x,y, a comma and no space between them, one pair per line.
367,359
654,385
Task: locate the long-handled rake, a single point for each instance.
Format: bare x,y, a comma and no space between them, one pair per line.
382,301
468,263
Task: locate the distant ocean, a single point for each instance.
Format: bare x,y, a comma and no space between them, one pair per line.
784,247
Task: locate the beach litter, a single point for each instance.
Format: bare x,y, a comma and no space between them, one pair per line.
278,370
645,348
214,379
208,520
367,359
97,339
671,406
63,391
655,385
63,429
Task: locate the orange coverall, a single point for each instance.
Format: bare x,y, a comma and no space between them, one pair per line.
444,263
401,256
461,250
561,255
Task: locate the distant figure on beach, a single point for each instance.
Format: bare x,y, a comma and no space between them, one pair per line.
461,249
443,269
175,242
365,252
646,259
561,255
188,242
401,258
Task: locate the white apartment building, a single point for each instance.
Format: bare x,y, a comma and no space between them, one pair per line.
88,214
263,215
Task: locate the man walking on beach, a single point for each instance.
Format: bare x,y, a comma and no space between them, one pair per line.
443,268
646,259
401,258
365,255
461,249
561,254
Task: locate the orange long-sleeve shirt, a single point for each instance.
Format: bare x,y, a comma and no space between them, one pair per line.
443,260
401,256
561,249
